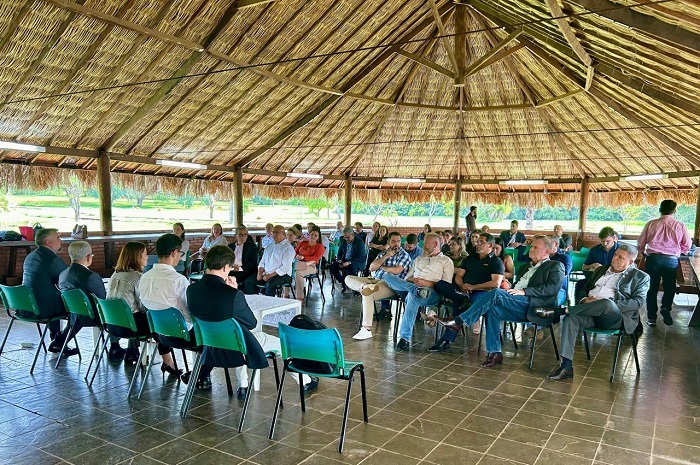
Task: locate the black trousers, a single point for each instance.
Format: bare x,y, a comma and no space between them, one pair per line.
251,284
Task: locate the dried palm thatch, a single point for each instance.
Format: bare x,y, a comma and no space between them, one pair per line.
361,88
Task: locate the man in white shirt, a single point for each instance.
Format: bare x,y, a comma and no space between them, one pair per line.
267,238
338,233
425,271
275,267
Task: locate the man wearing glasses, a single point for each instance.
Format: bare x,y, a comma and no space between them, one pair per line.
351,257
275,267
246,256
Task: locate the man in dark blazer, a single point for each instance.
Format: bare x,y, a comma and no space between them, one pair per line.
216,298
611,299
538,284
515,239
40,274
78,276
351,257
246,263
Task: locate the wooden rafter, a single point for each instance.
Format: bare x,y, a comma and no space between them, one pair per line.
498,52
568,32
461,16
425,62
437,16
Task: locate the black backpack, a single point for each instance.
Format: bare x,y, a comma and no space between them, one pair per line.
304,322
10,236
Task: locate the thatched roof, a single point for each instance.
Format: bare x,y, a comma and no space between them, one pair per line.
594,88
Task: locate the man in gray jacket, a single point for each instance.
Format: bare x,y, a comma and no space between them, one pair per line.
611,299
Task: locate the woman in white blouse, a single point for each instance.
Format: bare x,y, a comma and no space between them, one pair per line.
179,231
215,238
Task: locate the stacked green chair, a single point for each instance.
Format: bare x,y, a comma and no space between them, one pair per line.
320,345
21,298
613,332
77,303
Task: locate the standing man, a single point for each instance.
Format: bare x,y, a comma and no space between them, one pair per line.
393,260
565,240
539,283
419,284
351,257
40,274
611,300
662,241
275,267
471,220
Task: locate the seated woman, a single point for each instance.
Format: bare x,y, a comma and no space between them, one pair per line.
426,230
293,236
456,250
473,242
124,284
374,232
179,231
308,254
500,251
376,246
215,238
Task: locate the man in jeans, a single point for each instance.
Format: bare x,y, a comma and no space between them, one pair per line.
662,241
425,271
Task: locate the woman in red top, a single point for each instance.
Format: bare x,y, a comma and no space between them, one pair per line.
308,254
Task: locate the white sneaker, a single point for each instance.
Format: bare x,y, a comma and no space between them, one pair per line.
363,334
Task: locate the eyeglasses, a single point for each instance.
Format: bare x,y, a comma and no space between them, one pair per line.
242,234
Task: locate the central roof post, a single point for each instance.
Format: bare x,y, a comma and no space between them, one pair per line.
104,187
696,231
348,200
582,213
458,205
238,196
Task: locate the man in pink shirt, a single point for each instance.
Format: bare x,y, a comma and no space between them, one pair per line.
662,241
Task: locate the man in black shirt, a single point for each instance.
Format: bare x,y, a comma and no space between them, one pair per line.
477,274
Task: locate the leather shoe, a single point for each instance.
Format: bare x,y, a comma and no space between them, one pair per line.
56,345
70,351
494,359
448,323
544,312
560,374
241,392
116,352
203,383
383,315
311,385
441,346
403,344
668,321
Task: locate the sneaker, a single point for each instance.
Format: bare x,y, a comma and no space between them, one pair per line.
369,289
311,385
363,334
651,322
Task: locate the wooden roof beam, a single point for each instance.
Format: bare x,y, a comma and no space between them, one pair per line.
425,62
461,16
642,22
568,32
497,53
437,16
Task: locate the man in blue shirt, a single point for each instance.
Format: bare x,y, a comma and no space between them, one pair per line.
411,246
602,253
515,239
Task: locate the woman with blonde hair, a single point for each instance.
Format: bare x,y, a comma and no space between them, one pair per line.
215,238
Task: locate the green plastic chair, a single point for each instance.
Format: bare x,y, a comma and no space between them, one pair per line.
116,312
584,250
613,332
290,284
320,345
77,303
228,335
512,252
21,298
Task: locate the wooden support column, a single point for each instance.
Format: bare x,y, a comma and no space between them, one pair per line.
458,205
696,231
104,186
583,213
238,196
348,201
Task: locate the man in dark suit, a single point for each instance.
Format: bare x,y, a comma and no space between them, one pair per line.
351,257
515,239
78,276
538,285
246,255
216,298
40,274
611,299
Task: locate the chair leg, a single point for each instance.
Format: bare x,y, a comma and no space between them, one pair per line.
309,283
585,343
172,354
344,425
99,360
41,343
229,388
301,392
320,286
7,333
481,332
273,356
365,417
532,347
277,402
617,353
191,385
634,349
38,349
247,399
63,347
148,370
554,341
184,359
100,340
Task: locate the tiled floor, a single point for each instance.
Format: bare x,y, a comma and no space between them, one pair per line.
424,408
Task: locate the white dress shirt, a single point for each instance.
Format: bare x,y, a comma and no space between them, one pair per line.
606,285
162,287
525,279
435,268
267,240
278,258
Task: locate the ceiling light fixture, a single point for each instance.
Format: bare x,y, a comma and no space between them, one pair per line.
523,182
22,147
305,175
181,164
644,177
404,180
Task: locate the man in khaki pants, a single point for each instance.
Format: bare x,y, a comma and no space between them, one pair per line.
394,260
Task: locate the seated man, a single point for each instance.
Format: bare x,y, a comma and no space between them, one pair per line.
565,241
246,253
216,298
602,253
40,274
539,283
611,300
337,234
359,232
477,274
419,285
447,236
78,276
515,239
394,260
351,257
275,267
411,246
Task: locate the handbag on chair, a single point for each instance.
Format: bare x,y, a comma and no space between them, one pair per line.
79,232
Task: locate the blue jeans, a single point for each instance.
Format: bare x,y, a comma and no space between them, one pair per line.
495,306
413,302
660,267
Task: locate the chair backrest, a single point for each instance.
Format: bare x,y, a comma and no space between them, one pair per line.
584,250
168,322
577,261
115,312
226,334
77,302
19,298
319,345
